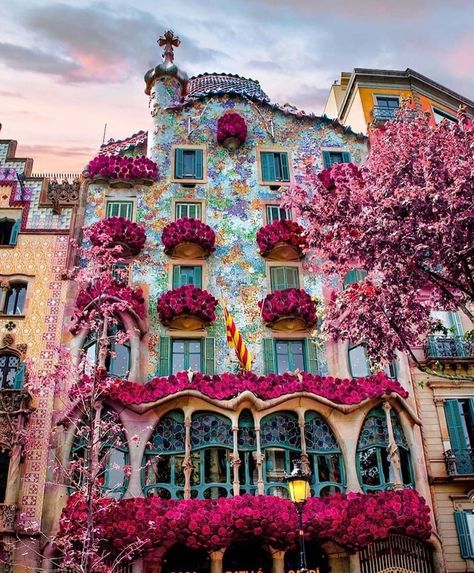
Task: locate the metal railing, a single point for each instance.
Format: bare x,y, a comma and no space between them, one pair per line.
381,113
459,462
449,347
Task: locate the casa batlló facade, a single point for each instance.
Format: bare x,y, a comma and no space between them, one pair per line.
201,471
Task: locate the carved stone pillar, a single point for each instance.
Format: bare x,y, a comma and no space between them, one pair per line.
393,453
278,562
187,463
259,463
235,461
14,474
305,465
216,561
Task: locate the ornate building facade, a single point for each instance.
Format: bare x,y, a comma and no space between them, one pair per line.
201,471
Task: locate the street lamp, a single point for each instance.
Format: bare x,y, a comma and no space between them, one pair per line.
298,484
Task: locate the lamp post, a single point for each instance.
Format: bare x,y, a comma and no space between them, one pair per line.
298,484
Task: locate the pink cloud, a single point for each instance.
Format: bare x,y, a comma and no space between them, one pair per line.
459,60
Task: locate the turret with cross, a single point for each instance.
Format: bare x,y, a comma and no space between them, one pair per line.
169,41
168,68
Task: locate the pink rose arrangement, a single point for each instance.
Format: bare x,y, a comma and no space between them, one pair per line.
231,125
187,300
283,231
352,520
227,385
187,230
119,297
118,231
121,167
291,302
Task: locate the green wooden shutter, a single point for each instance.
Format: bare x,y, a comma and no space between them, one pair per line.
465,541
165,358
176,276
198,164
346,157
268,355
268,166
285,171
14,232
208,349
327,159
19,377
178,163
311,357
456,323
455,426
198,276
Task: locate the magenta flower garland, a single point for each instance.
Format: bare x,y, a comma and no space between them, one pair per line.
113,231
186,230
187,300
291,302
352,520
121,167
231,125
285,231
228,385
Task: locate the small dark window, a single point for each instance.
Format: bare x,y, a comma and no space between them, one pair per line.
190,210
187,275
188,164
388,102
277,213
120,209
9,229
4,467
9,370
15,299
440,114
330,158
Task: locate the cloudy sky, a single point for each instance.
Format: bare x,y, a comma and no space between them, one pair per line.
69,67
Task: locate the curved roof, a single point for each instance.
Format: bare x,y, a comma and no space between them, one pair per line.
205,85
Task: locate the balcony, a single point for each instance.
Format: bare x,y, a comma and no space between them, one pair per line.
459,462
449,349
381,113
7,517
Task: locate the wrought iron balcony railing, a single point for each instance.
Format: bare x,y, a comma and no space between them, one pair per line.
381,113
449,347
459,462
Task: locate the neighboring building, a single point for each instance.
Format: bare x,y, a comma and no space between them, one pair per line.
214,439
36,216
367,97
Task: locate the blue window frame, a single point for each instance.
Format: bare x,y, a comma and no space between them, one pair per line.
9,230
372,456
327,468
280,439
188,164
211,447
187,275
330,158
163,473
275,166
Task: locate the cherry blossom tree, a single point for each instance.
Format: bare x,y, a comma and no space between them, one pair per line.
406,217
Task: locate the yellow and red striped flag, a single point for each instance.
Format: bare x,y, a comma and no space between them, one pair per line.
235,340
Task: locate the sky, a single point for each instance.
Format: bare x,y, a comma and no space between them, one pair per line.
69,67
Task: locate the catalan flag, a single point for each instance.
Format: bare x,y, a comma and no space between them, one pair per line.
235,340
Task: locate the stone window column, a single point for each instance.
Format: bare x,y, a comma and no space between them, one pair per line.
187,463
235,460
305,465
393,453
259,461
216,561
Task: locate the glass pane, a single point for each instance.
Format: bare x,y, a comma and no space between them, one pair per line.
328,490
120,363
388,102
189,157
278,170
215,493
279,491
215,465
178,356
405,466
20,299
358,363
282,355
178,470
275,465
328,468
186,276
369,470
336,157
115,469
196,463
297,356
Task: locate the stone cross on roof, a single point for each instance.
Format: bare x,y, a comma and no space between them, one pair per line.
169,40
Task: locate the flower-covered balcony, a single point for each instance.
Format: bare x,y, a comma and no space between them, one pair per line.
121,171
188,238
119,235
282,240
187,308
289,310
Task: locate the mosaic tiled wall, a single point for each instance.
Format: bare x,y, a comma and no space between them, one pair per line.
234,207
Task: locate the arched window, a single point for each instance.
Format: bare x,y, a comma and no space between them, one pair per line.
112,455
12,372
117,361
15,299
280,440
372,456
247,444
9,229
4,467
211,444
327,468
163,473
